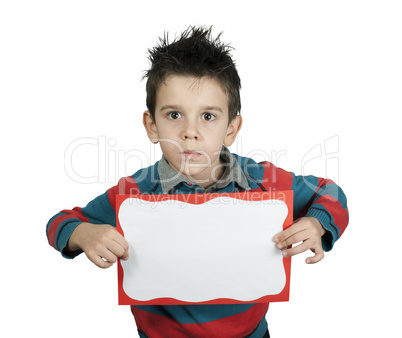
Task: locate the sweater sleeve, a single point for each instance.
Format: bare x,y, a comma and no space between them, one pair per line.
313,196
323,199
101,210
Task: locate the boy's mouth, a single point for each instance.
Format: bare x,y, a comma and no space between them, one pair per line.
190,154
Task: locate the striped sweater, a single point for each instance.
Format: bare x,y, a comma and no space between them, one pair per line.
316,197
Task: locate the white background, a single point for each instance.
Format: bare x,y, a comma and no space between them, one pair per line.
311,71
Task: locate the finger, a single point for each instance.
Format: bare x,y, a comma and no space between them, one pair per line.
319,255
116,248
109,256
123,249
293,229
296,250
126,248
98,261
296,238
122,242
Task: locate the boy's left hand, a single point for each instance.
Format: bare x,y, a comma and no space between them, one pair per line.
307,230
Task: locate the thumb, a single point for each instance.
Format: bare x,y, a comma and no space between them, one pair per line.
319,255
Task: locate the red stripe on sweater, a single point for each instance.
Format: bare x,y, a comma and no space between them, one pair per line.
276,178
126,186
54,227
239,325
339,214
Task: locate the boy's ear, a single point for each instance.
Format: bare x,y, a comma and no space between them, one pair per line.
232,131
150,127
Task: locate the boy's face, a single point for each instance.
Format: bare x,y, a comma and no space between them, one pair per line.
192,123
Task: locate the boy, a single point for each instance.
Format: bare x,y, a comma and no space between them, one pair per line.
193,103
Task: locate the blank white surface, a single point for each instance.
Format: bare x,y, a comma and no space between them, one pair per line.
222,248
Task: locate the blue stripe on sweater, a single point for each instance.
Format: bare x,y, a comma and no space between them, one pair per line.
334,191
147,178
304,188
53,218
324,216
100,211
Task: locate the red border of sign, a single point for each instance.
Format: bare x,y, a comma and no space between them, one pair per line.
285,196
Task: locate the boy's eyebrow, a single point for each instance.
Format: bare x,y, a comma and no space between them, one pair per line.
213,108
168,106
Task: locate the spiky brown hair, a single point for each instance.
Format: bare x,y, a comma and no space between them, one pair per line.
194,53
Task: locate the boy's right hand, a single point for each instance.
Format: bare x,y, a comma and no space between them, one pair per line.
102,243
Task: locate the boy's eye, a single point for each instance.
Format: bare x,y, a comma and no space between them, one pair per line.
174,115
208,116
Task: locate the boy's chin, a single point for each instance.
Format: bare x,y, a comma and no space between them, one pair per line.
200,173
192,175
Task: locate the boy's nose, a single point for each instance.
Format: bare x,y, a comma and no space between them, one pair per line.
190,131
